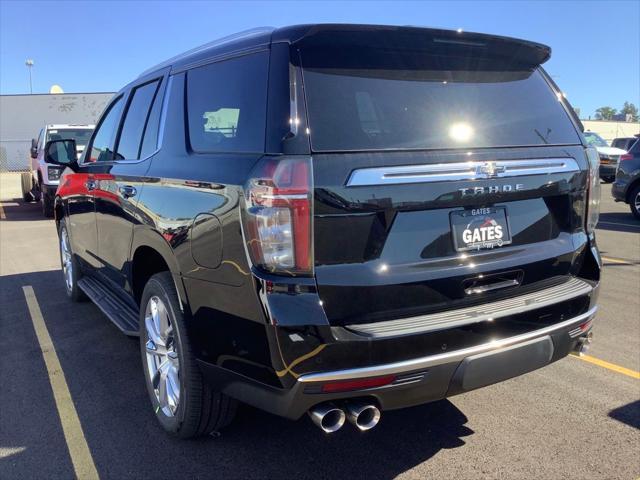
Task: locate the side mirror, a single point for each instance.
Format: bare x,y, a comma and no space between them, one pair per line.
61,152
34,148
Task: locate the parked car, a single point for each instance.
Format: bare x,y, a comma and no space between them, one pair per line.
335,219
626,188
41,182
624,143
609,156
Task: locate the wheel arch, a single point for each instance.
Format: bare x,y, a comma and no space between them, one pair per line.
150,254
632,186
58,210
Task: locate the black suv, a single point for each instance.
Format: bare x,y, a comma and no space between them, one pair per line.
626,187
335,219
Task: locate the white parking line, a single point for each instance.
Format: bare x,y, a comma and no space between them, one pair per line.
72,428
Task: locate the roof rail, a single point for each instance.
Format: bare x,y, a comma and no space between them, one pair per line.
253,32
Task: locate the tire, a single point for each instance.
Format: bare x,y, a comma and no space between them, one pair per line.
634,202
608,179
25,181
190,407
71,272
47,204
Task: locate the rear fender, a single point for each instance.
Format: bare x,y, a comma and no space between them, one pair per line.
144,236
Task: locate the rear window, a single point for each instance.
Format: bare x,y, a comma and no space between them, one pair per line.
80,135
227,105
397,100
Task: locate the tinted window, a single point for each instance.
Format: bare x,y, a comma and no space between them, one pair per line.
594,140
227,103
371,100
80,135
150,140
135,121
105,136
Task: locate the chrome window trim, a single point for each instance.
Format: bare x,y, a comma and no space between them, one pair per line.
472,170
440,359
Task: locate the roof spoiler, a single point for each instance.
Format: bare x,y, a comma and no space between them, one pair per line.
429,40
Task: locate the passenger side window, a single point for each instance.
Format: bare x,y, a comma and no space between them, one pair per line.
135,121
227,105
104,138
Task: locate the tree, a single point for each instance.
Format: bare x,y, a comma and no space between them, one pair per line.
630,108
605,113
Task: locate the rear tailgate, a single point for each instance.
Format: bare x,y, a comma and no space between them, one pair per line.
447,171
387,250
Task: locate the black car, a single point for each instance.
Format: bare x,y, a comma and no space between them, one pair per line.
335,219
626,187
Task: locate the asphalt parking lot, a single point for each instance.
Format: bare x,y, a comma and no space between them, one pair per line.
578,418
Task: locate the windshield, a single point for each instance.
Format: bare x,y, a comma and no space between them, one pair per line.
80,135
595,140
373,100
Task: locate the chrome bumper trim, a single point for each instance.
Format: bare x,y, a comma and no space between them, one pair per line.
568,290
449,357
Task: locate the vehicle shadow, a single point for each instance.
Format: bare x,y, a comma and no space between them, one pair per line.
103,371
628,414
17,210
618,222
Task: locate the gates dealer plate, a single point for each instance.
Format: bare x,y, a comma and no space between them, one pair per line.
479,228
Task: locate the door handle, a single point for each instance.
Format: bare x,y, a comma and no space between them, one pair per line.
90,184
127,191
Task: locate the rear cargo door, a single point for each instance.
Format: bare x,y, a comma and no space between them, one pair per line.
439,180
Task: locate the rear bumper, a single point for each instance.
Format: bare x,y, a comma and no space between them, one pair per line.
417,380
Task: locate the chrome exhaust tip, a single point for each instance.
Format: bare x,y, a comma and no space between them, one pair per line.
364,416
583,343
328,417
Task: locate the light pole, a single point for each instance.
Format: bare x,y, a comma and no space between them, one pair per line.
29,64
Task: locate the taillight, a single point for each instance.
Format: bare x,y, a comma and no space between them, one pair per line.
593,190
625,156
278,216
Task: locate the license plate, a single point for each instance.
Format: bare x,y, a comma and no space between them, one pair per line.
480,228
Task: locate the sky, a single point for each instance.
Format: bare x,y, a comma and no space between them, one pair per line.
99,46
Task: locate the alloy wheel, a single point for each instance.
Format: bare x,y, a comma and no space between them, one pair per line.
163,362
636,202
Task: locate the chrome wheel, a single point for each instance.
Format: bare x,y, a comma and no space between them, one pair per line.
67,261
163,362
636,202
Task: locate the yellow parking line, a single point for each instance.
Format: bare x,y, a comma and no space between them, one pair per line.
610,366
71,427
616,260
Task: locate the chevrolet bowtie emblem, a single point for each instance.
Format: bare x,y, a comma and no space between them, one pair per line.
490,169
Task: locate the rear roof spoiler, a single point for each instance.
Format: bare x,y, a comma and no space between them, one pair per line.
428,40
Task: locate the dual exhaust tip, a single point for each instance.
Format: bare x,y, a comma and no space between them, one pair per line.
330,418
584,342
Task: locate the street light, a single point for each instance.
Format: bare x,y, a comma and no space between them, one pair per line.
29,64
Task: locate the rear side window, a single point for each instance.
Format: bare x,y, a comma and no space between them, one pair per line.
135,121
227,105
105,135
150,138
386,99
